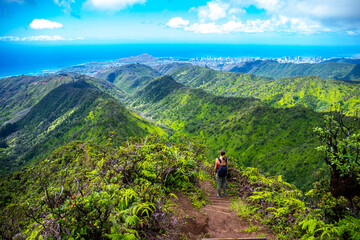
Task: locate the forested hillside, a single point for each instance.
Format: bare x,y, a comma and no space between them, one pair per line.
129,77
19,94
312,92
72,111
100,183
278,141
273,69
168,68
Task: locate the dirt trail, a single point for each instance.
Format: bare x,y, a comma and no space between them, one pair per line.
215,220
223,222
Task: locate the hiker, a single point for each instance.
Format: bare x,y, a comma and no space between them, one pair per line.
220,170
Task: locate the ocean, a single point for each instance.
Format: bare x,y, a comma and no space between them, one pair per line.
21,58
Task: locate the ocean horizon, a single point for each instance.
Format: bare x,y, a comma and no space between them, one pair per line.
18,58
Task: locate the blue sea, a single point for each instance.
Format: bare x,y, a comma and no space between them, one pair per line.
20,58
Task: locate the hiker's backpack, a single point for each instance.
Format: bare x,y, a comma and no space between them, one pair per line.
222,171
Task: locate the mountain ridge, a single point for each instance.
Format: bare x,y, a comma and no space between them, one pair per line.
316,93
254,134
129,77
273,69
73,111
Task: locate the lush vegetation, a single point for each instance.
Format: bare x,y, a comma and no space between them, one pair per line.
335,70
328,211
280,206
107,186
129,77
89,191
313,92
341,149
73,111
19,94
278,141
168,68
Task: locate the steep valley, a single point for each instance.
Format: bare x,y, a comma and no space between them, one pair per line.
105,157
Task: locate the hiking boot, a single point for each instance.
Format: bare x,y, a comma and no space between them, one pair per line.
218,196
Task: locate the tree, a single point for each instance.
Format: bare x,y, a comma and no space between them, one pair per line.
341,147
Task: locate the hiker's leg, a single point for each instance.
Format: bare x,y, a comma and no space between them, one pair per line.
218,183
224,185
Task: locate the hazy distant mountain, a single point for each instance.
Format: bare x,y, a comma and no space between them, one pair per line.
137,59
273,69
344,60
168,68
93,68
129,77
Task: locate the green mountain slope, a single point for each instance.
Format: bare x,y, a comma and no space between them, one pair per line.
313,92
19,94
273,69
157,90
278,141
168,68
354,74
344,60
74,111
129,77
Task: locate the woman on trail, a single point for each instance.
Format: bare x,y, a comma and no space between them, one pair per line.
220,170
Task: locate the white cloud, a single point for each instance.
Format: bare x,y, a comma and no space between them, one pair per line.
351,33
300,25
204,28
43,38
74,39
251,26
328,9
256,26
65,4
39,38
236,11
177,22
271,5
9,38
296,16
232,26
334,14
213,10
113,5
44,24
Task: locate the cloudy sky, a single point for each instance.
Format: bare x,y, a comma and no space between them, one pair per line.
293,22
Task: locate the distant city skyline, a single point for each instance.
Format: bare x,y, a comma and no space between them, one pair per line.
288,22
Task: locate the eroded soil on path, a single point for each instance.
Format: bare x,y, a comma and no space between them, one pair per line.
215,220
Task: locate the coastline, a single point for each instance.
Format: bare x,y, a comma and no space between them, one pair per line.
20,59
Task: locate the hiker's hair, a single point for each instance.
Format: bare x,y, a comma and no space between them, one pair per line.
222,152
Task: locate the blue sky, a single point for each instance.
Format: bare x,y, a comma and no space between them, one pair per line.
291,22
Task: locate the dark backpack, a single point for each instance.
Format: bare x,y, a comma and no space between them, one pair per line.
222,171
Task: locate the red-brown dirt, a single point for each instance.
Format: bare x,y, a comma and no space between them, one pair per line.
214,220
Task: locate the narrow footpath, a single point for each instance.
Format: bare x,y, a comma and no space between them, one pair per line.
216,221
224,223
